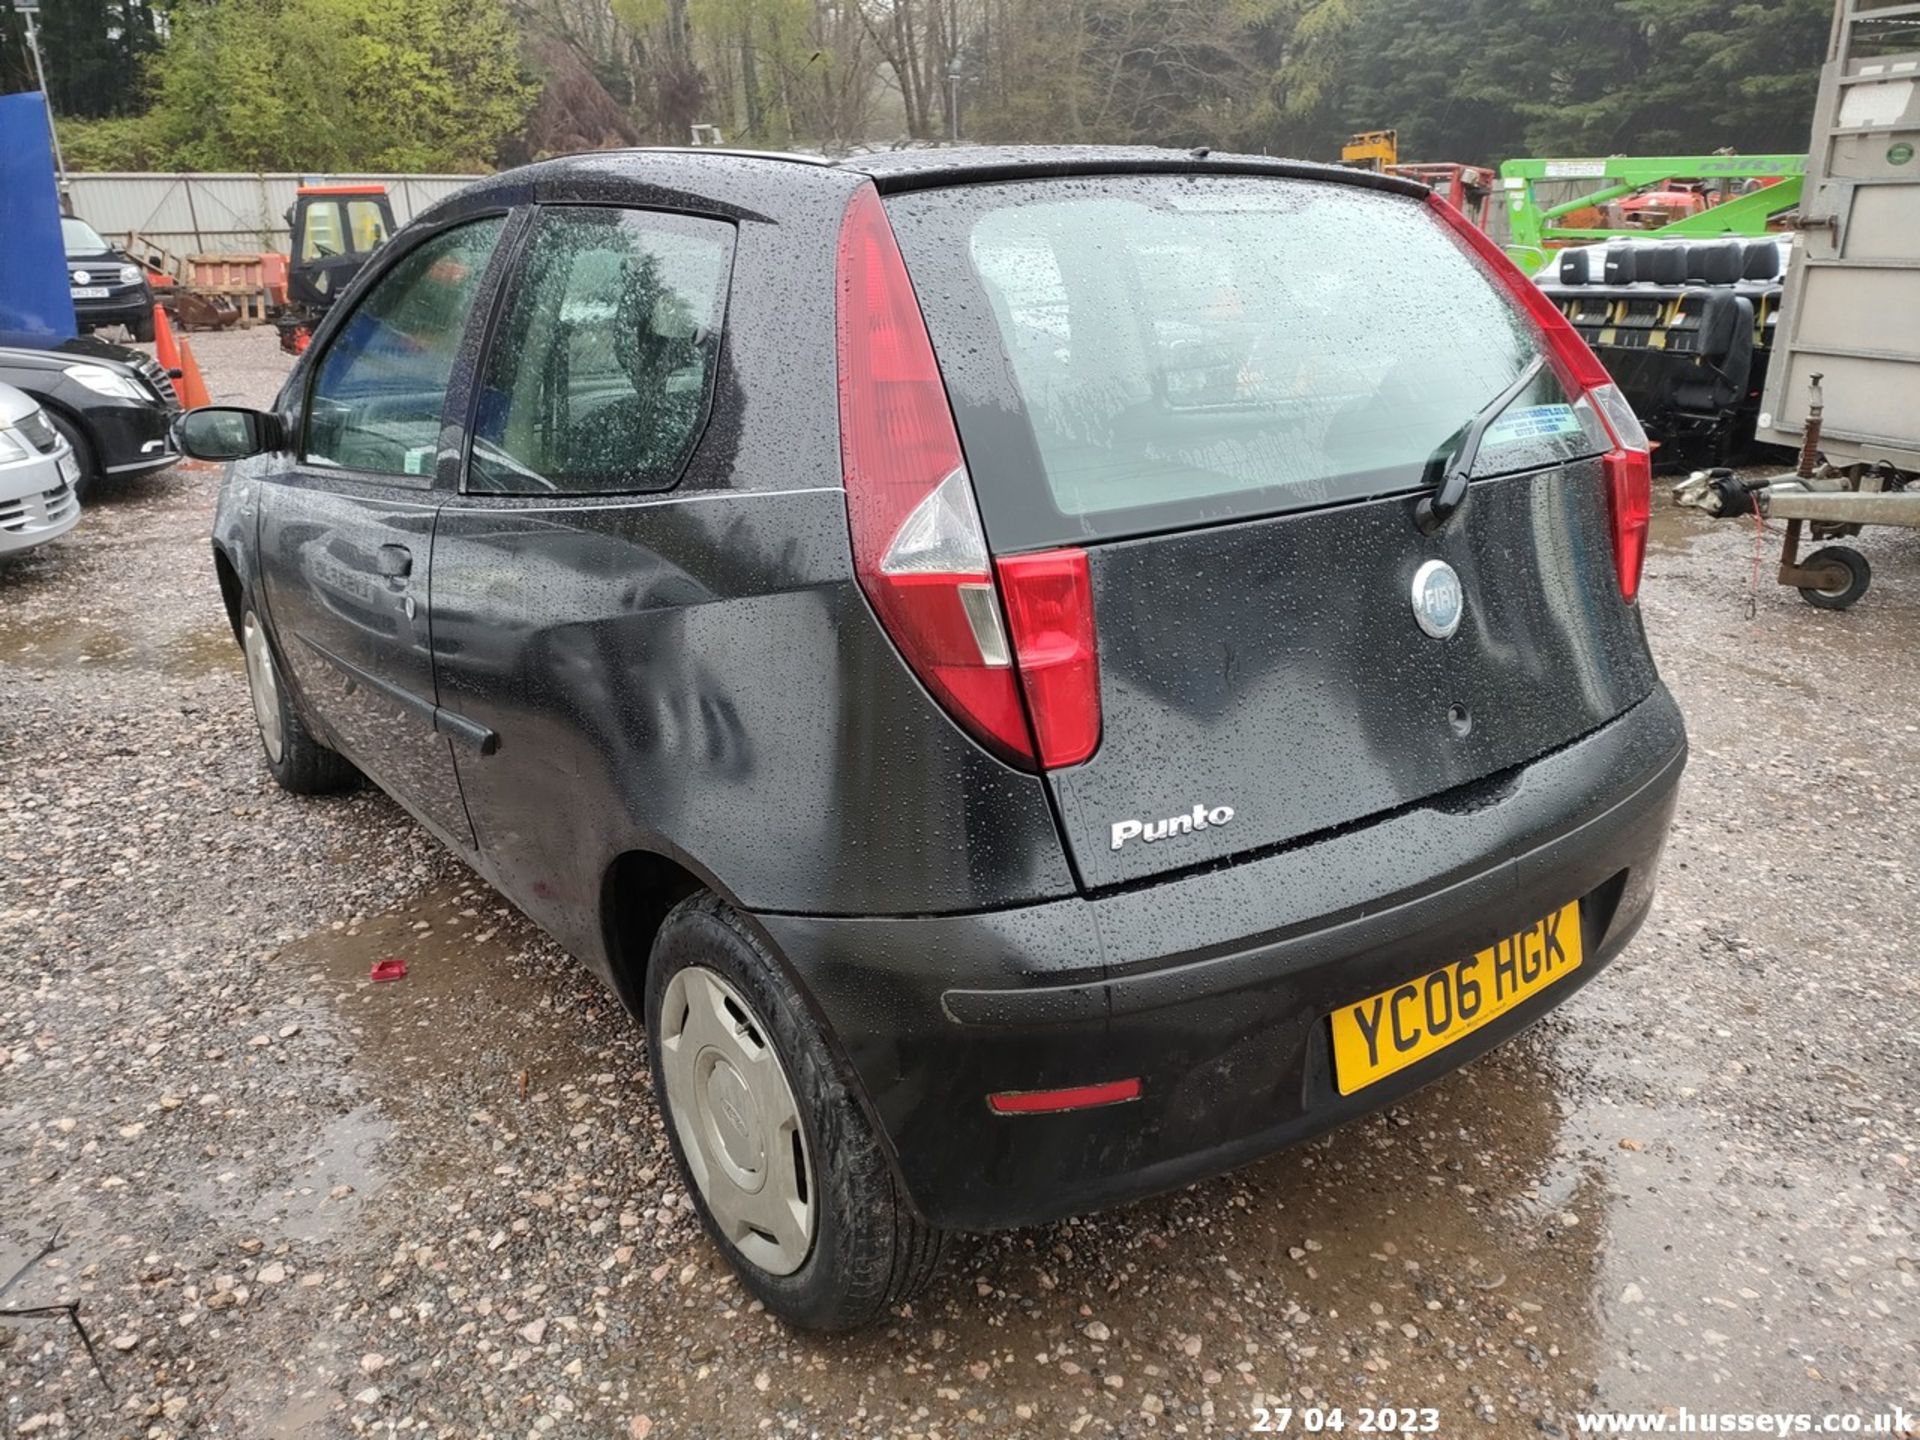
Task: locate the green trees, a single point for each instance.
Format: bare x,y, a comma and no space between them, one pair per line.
1170,72
16,62
95,50
1477,80
1489,79
763,72
444,84
320,85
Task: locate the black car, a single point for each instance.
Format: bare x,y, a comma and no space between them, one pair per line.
1042,674
108,288
115,406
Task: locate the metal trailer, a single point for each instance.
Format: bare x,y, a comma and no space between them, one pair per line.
1844,382
1834,576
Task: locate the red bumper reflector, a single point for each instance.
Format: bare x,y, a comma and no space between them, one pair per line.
1079,1097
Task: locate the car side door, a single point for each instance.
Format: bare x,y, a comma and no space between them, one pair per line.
346,522
565,568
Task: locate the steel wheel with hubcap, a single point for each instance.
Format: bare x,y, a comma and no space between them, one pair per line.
738,1122
264,685
784,1166
298,761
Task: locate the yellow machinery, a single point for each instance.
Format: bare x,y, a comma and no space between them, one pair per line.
1371,150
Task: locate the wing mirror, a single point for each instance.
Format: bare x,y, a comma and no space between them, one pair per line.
226,432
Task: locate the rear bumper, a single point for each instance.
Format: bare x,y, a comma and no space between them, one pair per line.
1214,988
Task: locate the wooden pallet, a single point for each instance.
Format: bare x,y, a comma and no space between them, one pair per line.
237,277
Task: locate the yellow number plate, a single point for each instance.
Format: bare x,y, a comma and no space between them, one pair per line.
1397,1027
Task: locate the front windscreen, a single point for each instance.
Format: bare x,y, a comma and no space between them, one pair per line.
80,238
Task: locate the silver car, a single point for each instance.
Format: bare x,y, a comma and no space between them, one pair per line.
37,473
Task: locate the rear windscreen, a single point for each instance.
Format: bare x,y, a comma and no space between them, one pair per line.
1134,353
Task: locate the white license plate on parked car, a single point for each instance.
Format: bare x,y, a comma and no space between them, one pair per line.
69,468
89,292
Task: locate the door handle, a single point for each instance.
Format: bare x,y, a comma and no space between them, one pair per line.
395,562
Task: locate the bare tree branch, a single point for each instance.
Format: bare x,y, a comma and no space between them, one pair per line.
70,1309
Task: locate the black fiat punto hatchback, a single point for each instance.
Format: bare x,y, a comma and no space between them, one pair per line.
1041,674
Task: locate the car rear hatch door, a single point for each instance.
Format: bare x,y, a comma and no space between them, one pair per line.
1230,392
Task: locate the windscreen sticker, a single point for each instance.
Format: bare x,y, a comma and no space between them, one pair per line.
1533,422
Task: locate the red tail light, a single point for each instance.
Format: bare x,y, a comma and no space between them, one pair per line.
1050,611
1629,467
919,549
1629,463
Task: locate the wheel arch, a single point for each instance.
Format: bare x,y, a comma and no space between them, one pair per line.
638,887
637,890
71,416
232,593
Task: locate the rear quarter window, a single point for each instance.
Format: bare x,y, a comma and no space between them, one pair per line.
1144,352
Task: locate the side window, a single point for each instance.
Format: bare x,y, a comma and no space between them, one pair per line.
322,235
602,367
379,389
366,226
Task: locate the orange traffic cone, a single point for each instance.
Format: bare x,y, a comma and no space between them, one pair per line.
165,350
192,389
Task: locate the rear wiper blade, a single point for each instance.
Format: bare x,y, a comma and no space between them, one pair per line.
1435,509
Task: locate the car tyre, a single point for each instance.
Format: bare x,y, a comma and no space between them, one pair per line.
300,763
143,329
83,458
1859,577
804,1203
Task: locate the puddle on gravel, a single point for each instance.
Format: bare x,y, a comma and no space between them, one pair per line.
1441,1255
333,1181
472,1022
71,643
33,1276
1505,1238
298,1400
60,644
467,999
201,652
1676,526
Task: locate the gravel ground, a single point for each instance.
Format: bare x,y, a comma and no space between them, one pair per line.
293,1203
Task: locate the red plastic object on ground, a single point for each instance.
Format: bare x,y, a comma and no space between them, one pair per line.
391,968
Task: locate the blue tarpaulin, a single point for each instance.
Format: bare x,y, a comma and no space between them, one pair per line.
36,308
